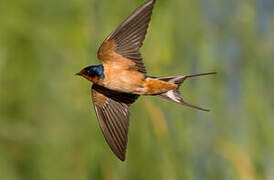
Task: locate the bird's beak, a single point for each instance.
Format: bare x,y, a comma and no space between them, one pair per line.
78,74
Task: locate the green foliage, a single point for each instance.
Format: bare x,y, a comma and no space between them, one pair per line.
48,129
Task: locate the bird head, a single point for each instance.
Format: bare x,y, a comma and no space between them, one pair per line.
92,73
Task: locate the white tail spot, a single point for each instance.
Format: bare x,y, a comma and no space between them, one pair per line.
172,96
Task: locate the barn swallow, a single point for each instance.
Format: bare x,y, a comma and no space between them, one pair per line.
122,78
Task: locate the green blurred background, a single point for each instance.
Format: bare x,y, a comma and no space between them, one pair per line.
48,128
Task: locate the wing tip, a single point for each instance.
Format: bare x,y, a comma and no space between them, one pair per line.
123,159
121,156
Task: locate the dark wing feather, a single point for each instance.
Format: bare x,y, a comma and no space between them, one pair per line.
113,114
129,36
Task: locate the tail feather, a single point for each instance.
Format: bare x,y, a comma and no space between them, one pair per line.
174,95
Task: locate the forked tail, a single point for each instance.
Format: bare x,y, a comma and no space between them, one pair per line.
174,95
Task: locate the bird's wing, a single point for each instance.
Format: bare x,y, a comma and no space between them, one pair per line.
113,114
122,46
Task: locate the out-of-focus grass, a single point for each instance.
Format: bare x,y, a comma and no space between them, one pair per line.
48,129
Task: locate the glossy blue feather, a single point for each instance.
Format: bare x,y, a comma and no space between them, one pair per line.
97,70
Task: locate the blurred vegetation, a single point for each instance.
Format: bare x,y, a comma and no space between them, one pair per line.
48,128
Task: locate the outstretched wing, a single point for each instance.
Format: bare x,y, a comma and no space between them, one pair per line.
122,46
112,112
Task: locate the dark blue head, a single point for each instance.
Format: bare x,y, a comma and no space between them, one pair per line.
92,73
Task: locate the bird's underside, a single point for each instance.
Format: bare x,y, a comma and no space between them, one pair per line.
121,79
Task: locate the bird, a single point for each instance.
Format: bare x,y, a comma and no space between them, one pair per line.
122,78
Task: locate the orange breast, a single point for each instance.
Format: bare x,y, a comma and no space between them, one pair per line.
119,79
135,82
120,73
